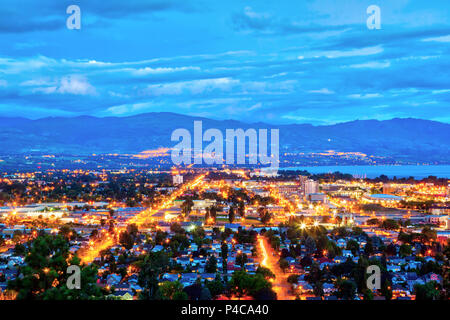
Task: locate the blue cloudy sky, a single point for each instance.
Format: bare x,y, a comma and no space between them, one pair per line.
302,61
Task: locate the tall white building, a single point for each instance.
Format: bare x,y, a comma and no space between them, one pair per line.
177,179
311,186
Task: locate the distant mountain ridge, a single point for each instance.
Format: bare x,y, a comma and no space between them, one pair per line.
403,139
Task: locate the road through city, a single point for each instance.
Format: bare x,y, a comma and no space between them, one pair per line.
269,259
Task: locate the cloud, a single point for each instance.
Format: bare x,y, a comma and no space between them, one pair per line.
365,96
73,84
322,91
48,15
250,20
149,70
438,39
28,23
372,65
335,54
192,87
129,109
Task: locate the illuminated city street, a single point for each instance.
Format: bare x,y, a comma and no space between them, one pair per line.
269,259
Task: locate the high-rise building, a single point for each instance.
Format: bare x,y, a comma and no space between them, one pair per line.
302,180
311,186
387,188
177,179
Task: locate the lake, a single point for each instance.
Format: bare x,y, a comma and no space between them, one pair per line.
401,171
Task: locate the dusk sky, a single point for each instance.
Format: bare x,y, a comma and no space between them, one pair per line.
302,61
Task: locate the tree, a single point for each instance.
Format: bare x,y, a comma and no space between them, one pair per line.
213,212
353,246
216,286
207,215
231,214
386,289
241,209
176,228
44,274
283,264
318,289
206,294
265,294
264,215
368,249
373,221
152,266
241,259
293,278
427,291
346,289
367,294
389,224
310,245
266,272
68,232
405,250
186,206
194,291
20,250
126,240
224,255
172,290
211,265
242,283
428,234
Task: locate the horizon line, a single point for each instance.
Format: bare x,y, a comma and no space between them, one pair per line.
214,119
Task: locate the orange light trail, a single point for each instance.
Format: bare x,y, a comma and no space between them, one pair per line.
89,253
264,252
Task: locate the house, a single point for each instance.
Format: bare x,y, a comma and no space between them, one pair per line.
184,261
113,279
157,248
339,259
347,253
413,265
328,287
290,260
432,277
326,264
341,243
304,286
208,276
313,298
393,268
188,279
170,276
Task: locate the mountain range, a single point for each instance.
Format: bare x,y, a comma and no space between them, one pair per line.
402,139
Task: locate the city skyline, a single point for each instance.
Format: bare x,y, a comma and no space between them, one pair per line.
295,62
